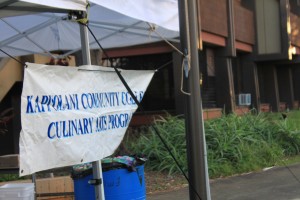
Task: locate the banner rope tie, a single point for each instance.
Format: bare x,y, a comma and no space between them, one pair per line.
185,68
185,65
163,66
153,29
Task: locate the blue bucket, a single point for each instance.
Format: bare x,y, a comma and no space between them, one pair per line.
82,189
119,184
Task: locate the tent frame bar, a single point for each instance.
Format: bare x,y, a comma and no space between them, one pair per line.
7,3
86,58
29,31
34,10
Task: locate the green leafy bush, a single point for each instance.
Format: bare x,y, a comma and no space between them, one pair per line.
9,177
172,130
235,144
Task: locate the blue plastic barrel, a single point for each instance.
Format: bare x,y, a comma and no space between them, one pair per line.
82,189
119,184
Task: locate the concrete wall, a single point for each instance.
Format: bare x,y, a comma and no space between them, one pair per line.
12,71
244,23
295,29
268,26
214,16
46,59
9,74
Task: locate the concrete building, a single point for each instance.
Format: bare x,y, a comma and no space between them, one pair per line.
249,50
248,54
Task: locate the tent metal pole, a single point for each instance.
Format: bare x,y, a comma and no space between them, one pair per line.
195,136
86,59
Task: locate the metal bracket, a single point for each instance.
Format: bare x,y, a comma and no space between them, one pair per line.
186,64
95,181
76,15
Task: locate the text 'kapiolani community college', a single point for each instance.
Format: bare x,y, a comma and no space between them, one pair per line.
109,102
51,103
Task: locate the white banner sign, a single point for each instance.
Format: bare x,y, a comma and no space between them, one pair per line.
73,115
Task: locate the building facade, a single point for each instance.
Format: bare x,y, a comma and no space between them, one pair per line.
249,58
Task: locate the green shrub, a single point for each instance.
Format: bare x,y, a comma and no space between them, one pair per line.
172,130
9,177
235,144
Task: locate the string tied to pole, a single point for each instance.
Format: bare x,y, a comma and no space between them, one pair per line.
185,65
141,108
185,70
153,29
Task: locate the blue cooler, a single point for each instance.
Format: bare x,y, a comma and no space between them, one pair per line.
82,189
119,184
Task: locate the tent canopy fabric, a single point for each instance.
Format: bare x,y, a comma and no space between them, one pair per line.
116,23
21,7
161,12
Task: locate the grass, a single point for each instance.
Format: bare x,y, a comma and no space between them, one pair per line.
149,144
289,160
235,144
9,177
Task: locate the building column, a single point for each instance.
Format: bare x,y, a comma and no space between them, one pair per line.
250,81
296,81
285,85
270,89
224,83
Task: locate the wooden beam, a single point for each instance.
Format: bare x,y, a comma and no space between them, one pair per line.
213,39
285,85
271,90
140,50
230,42
200,43
9,161
285,23
243,47
224,82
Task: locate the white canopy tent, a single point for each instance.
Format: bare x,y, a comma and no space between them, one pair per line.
21,7
36,27
115,23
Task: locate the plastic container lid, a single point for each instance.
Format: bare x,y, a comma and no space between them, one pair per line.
16,190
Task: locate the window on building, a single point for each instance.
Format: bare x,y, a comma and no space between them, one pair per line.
160,93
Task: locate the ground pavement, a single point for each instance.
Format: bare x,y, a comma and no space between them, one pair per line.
277,183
